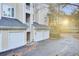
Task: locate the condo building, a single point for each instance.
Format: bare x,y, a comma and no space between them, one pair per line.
22,23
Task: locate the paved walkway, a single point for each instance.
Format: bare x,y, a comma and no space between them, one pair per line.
66,46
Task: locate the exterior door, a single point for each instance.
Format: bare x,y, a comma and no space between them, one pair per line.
28,36
16,39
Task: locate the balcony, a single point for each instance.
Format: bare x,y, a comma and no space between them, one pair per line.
27,7
28,19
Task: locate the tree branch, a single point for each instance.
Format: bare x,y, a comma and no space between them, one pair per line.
74,4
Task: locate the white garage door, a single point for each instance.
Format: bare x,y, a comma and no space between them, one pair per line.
38,36
16,39
46,35
41,35
0,41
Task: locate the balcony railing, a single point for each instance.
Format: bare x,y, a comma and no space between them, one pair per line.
28,21
27,7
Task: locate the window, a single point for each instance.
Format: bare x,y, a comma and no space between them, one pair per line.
8,11
12,12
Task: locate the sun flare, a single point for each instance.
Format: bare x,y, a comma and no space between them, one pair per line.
65,22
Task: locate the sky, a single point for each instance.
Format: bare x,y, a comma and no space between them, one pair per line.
69,9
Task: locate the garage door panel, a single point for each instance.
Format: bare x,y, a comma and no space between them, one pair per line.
46,35
16,39
41,35
38,36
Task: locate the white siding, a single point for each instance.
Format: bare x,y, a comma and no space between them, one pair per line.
43,17
20,12
0,41
40,15
16,39
5,7
0,10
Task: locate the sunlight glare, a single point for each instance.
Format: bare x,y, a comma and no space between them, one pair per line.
65,22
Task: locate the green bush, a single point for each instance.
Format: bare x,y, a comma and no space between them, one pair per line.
55,35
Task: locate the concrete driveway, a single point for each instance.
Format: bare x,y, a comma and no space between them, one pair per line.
66,46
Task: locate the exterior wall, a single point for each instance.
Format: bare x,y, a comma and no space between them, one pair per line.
31,21
0,10
6,5
30,27
40,14
43,14
7,37
0,41
20,12
31,17
4,40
